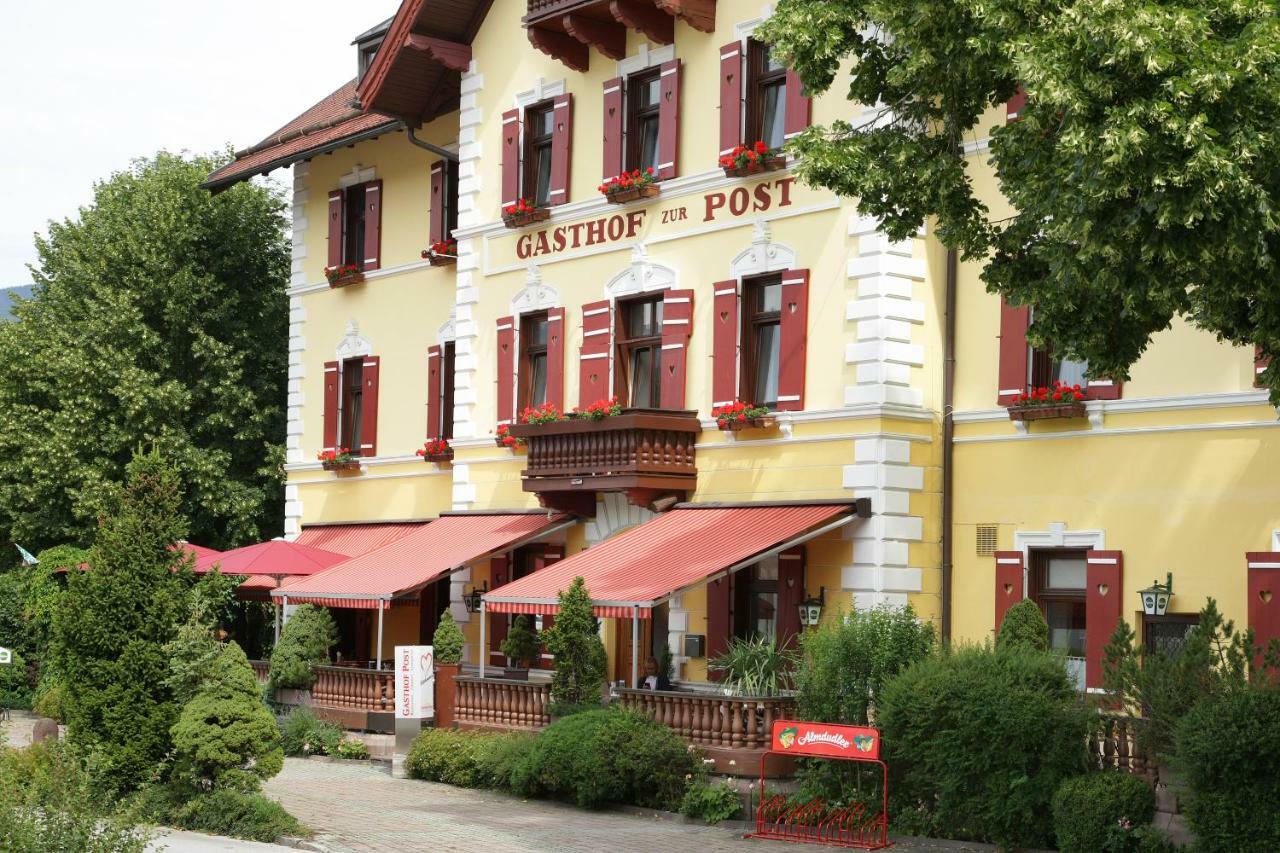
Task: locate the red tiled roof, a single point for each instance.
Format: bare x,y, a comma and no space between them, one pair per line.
331,123
355,539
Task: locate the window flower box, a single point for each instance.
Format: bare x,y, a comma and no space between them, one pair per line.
752,159
436,450
523,213
338,460
441,254
738,416
344,275
629,186
1060,401
504,438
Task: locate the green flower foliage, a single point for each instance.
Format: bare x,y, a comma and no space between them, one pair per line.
447,641
226,737
1023,625
111,626
712,803
304,642
1143,174
575,643
148,324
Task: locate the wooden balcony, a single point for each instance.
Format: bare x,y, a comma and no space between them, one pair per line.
568,29
500,705
647,453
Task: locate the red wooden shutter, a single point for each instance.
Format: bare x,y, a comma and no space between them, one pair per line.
790,594
1009,582
1013,352
1104,389
506,370
435,367
677,325
369,407
1014,106
718,622
593,359
555,357
332,382
730,97
510,157
1264,595
1103,605
613,122
561,149
669,120
436,231
793,337
724,349
1260,363
372,225
550,554
335,229
799,108
499,576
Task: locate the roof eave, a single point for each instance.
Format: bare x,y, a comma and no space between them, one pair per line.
217,186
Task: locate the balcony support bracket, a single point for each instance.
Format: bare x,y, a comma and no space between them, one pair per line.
567,49
581,504
645,19
607,37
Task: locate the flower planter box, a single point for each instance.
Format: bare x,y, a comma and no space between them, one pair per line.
766,164
1038,413
520,220
447,456
515,673
768,422
353,465
633,193
347,280
442,260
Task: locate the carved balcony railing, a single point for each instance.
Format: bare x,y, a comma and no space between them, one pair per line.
493,703
647,453
261,669
737,722
1113,745
349,687
568,29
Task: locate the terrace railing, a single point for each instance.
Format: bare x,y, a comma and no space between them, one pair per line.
740,722
499,704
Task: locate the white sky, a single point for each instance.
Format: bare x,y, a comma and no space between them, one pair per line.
89,85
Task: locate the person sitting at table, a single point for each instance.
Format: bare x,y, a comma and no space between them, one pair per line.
653,678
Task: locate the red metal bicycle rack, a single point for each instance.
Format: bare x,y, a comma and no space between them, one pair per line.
813,822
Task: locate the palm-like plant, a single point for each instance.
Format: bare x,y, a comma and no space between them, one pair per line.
756,667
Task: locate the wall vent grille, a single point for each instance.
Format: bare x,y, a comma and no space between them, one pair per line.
987,539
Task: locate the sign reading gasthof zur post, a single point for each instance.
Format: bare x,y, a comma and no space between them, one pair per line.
6,656
415,682
826,740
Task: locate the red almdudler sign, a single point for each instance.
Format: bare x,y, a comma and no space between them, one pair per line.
825,739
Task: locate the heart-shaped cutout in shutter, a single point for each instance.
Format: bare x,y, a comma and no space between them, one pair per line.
1103,589
1008,589
1265,595
724,316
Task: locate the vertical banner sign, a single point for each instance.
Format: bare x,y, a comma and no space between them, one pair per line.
826,740
415,682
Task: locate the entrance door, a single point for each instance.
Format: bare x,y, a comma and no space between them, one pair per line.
433,601
622,645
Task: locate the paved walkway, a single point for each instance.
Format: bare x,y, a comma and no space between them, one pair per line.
361,808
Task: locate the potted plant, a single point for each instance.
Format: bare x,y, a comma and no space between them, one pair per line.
739,415
340,459
1060,401
343,275
545,414
442,253
520,648
523,212
504,438
436,450
446,645
750,159
629,186
598,411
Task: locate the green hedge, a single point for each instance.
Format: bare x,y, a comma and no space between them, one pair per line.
1229,748
252,816
1088,809
977,742
467,759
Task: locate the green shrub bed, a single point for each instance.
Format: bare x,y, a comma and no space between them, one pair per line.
238,814
1088,811
302,733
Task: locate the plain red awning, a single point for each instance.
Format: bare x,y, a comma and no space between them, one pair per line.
355,539
408,564
642,567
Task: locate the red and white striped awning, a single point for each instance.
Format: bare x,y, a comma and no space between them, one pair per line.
639,568
356,539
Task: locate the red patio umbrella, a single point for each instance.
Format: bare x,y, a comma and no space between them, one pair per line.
274,557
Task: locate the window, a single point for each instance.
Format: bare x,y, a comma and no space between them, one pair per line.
450,198
1057,581
761,340
643,100
352,390
755,601
367,52
533,360
639,351
1045,369
353,226
446,390
538,126
766,96
1168,634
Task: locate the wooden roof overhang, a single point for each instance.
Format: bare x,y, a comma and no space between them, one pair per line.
416,75
568,29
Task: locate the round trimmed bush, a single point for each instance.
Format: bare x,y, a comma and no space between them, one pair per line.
1023,625
1229,749
1087,808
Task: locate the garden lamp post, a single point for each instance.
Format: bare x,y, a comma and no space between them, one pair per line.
811,608
471,600
1155,598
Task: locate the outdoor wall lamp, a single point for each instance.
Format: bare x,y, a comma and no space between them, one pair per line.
471,600
1155,598
811,608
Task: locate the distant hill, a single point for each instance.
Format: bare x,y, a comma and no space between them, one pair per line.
23,290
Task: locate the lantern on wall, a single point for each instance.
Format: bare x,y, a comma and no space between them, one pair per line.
811,608
471,600
1155,598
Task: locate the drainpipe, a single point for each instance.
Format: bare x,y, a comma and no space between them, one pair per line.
948,437
434,149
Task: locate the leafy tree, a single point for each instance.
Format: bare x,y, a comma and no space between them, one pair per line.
304,642
1024,625
156,319
226,737
447,641
575,643
1142,173
112,623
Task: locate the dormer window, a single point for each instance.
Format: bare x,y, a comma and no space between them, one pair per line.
367,51
367,44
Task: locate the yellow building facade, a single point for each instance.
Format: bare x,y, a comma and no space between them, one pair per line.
720,288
